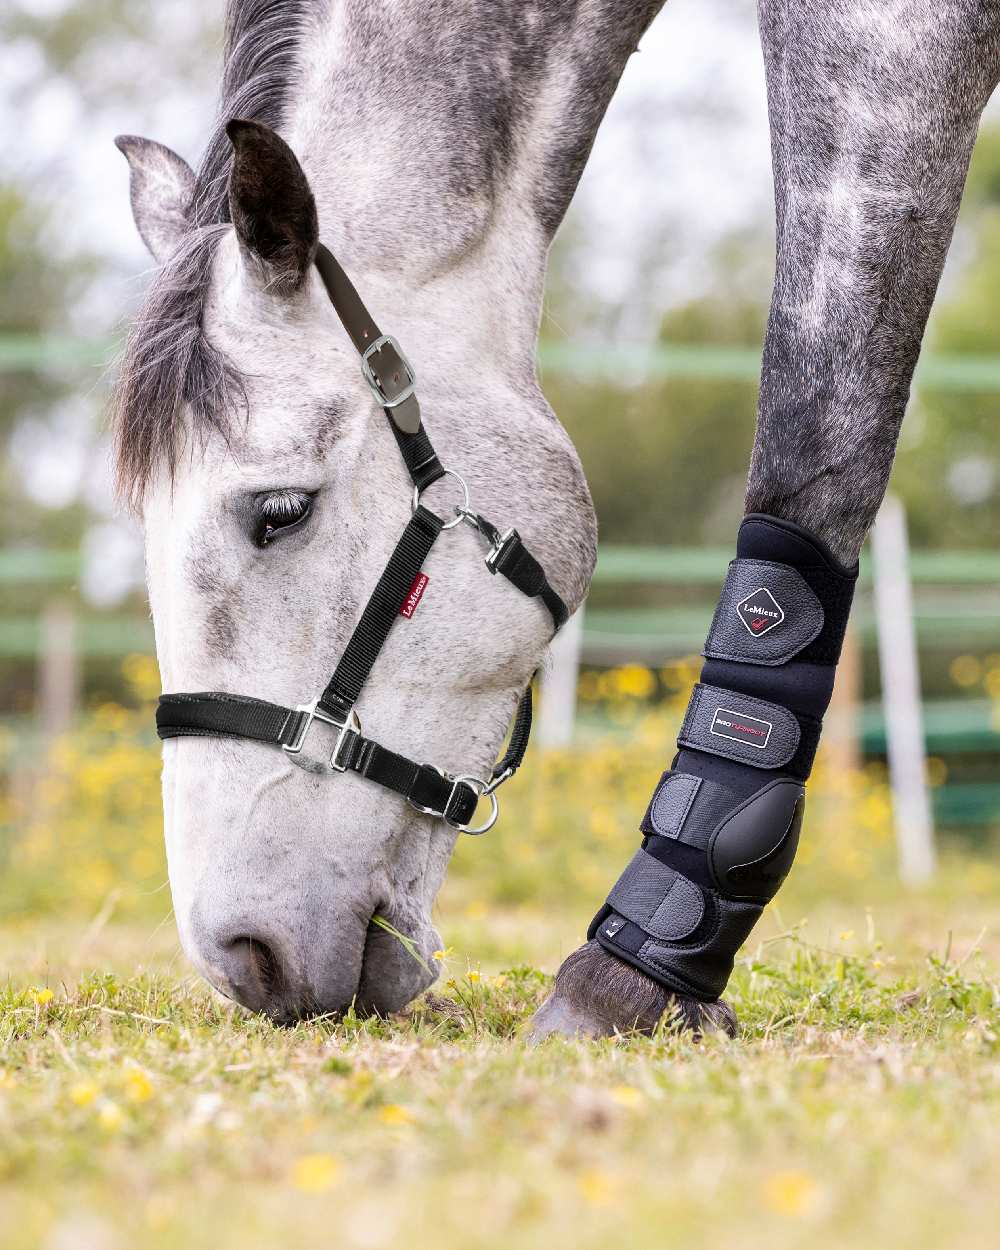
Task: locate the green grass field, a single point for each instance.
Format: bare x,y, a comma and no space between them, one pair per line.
860,1105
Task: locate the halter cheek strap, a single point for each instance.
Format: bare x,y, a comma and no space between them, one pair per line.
427,788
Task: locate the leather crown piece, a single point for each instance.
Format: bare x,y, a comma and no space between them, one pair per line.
722,828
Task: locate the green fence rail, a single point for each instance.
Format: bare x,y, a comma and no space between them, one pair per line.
936,370
616,565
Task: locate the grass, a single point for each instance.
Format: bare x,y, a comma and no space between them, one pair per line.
860,1105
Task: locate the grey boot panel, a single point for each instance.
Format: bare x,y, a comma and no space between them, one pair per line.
767,614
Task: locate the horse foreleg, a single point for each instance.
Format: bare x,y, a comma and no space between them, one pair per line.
873,110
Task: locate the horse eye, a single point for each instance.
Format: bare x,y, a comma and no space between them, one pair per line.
278,512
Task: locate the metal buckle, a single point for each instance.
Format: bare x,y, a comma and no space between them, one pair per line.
312,712
460,512
386,340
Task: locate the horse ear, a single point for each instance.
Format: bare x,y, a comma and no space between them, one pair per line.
161,186
272,206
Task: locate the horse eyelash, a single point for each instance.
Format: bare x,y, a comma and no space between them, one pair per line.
285,504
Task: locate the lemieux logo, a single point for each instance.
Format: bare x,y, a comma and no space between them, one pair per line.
412,600
760,612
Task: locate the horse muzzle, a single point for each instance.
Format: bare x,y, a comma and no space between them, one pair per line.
320,964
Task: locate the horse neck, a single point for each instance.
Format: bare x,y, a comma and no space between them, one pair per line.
474,288
443,146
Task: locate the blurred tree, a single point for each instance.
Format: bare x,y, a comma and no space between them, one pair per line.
667,457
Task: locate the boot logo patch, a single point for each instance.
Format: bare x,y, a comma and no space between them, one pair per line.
739,727
760,612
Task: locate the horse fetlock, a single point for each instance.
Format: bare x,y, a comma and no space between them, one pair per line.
598,995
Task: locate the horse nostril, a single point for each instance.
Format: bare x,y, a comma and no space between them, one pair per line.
266,966
257,978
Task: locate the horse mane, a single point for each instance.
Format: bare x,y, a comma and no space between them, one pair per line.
168,361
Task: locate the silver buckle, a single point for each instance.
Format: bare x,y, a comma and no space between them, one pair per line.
386,340
313,712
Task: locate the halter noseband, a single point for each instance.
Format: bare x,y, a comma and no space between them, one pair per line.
425,787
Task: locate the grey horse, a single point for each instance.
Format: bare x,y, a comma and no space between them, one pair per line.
440,146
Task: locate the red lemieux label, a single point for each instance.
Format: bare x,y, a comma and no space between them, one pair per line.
412,600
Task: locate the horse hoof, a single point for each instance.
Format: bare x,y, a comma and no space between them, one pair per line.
597,995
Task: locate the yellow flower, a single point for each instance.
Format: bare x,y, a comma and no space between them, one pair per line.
846,935
473,975
790,1193
138,1086
965,670
595,1187
440,956
395,1115
633,679
83,1093
626,1096
110,1117
41,996
313,1174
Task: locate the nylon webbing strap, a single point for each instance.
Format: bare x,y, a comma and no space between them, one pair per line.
418,455
424,787
515,562
209,714
381,612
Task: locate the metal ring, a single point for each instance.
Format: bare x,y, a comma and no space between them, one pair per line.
480,787
460,512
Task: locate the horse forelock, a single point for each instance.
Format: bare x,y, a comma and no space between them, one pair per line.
168,361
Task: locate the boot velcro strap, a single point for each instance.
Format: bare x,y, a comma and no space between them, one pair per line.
687,808
767,614
659,900
738,727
